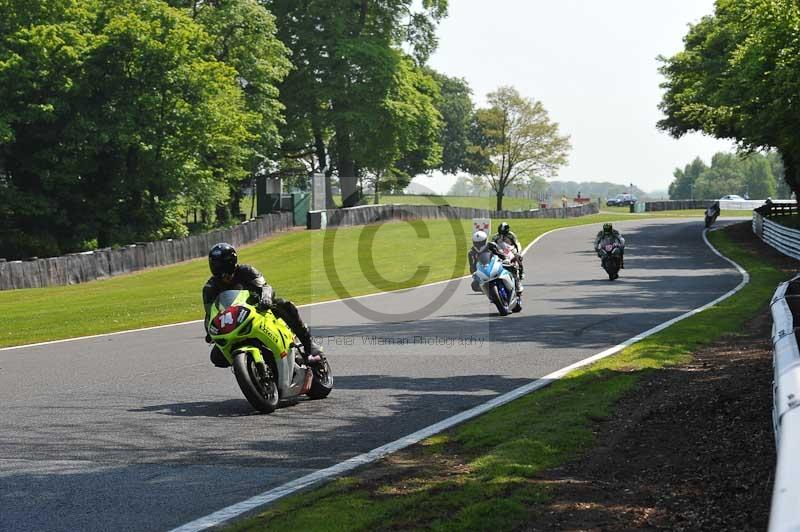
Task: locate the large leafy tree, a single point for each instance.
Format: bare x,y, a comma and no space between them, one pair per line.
752,176
737,78
513,140
244,37
683,186
347,59
114,112
403,135
456,108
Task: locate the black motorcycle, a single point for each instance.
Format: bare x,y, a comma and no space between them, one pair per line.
611,259
711,216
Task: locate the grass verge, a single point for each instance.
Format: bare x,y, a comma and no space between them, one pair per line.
684,213
480,475
366,259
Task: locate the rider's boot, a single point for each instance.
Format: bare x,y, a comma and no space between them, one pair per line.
622,262
311,350
520,288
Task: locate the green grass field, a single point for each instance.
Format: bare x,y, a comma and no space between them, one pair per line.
294,263
478,475
483,202
688,213
510,204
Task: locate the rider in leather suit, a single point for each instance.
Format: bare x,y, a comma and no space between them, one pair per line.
227,274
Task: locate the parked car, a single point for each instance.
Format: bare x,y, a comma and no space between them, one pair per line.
732,197
621,200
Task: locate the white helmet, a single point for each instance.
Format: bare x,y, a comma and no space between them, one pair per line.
479,239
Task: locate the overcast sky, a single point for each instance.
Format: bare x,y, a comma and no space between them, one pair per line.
593,66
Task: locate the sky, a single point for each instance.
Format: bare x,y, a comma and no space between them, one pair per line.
592,65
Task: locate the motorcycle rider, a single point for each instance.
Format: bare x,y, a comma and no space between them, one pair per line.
504,234
714,209
610,235
481,243
227,274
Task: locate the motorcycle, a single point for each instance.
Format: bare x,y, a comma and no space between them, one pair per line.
265,355
497,279
611,258
711,216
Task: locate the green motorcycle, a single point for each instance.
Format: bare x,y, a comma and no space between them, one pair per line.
264,353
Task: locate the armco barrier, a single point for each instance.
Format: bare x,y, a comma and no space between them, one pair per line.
785,513
368,214
88,266
766,225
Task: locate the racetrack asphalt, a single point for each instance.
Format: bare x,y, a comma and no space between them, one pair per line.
138,431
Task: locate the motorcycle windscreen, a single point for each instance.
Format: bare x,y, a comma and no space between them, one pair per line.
228,298
484,257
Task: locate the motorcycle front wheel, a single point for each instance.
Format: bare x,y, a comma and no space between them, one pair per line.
494,295
611,266
261,390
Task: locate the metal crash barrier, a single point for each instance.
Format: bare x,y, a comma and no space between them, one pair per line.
785,513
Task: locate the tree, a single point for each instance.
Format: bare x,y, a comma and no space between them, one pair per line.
751,176
759,182
115,112
514,139
346,58
244,37
736,78
456,109
402,139
682,187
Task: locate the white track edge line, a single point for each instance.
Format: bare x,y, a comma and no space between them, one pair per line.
233,511
101,335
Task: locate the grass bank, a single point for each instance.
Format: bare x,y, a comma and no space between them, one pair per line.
475,202
479,476
367,259
687,213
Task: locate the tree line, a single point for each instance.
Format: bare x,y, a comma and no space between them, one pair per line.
754,176
736,78
119,117
540,188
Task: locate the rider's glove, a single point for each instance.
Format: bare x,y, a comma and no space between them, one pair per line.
265,303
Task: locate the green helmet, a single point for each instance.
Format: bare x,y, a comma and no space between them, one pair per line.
607,228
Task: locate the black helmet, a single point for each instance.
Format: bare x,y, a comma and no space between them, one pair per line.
503,229
607,228
222,260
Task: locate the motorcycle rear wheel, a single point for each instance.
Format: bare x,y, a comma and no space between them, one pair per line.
322,381
261,393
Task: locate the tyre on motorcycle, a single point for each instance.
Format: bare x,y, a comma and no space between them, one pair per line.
611,266
321,381
494,295
257,382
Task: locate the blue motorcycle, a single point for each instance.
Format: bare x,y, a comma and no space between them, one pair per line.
497,279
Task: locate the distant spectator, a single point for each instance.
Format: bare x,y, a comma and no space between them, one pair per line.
579,194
